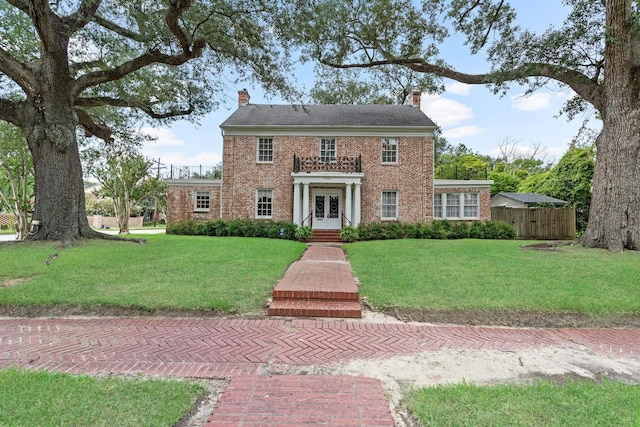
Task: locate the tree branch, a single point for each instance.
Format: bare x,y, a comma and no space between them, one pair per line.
17,71
152,57
20,4
91,128
9,112
40,14
82,16
585,87
139,105
111,26
172,18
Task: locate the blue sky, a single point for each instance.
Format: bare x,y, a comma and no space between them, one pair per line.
469,115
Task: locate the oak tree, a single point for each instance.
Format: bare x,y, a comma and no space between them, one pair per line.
62,61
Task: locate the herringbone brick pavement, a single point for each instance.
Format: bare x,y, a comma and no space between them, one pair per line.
215,348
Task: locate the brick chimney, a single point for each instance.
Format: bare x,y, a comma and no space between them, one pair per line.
243,97
414,98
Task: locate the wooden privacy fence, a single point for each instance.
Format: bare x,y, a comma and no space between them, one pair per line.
539,223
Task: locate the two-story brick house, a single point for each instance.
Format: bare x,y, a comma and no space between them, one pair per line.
328,166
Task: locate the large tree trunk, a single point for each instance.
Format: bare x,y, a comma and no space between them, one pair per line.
615,206
49,128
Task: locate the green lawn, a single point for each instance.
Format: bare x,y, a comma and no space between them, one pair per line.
492,275
574,404
51,399
185,272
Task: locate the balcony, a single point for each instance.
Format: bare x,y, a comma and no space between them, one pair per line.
319,164
193,172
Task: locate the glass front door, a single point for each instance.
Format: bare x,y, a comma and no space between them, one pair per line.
326,209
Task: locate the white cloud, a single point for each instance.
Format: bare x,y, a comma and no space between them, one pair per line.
445,112
534,102
458,88
164,137
462,131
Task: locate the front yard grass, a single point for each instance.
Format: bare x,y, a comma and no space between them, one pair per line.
496,275
544,403
51,399
169,272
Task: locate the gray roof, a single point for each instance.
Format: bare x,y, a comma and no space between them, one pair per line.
328,115
532,198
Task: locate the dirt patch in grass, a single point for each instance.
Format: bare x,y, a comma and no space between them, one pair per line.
509,318
513,318
7,283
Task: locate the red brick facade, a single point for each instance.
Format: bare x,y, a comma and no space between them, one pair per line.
411,177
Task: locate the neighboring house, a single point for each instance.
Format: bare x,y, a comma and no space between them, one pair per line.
524,200
327,166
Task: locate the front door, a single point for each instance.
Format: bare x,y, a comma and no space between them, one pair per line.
326,209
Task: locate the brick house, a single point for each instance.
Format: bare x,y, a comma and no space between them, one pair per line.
327,166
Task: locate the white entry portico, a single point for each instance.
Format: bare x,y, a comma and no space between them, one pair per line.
318,201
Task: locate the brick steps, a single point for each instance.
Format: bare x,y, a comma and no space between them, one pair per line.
320,284
326,236
315,308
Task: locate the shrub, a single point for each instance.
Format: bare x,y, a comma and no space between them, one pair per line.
234,227
440,229
393,230
476,231
303,233
425,231
505,231
363,232
349,234
411,231
490,230
459,230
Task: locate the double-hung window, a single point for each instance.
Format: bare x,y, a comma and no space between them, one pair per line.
265,150
389,205
264,203
202,201
463,206
389,150
327,149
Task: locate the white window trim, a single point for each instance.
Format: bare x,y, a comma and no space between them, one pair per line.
258,190
461,206
388,218
382,151
258,150
195,201
335,148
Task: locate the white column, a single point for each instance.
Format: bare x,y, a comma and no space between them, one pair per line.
296,204
305,203
356,209
347,205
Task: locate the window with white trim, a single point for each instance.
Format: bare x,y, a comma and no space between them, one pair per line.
456,206
265,150
437,205
389,150
264,203
201,201
327,149
389,205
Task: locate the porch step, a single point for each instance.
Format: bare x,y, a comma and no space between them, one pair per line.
317,294
328,236
315,308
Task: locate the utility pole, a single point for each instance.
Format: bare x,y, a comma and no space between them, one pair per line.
155,197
